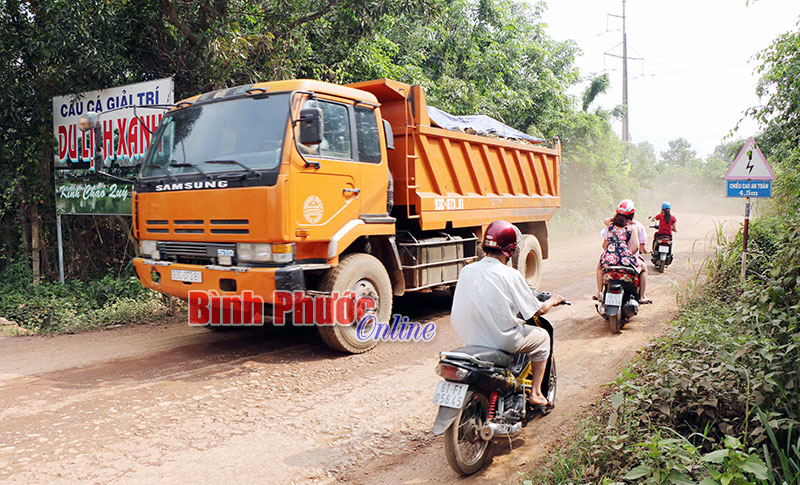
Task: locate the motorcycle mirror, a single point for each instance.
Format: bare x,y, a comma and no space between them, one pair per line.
87,121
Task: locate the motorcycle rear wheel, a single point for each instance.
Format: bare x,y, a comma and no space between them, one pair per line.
464,449
615,323
660,266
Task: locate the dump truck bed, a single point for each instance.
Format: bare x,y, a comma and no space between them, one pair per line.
443,176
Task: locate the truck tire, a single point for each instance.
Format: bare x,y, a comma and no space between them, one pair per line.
528,260
366,276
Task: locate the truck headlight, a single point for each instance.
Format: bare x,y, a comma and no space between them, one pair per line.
148,248
265,252
254,252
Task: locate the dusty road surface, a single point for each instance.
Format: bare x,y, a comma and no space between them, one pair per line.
170,403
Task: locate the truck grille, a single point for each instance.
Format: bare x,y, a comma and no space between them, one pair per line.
192,252
197,226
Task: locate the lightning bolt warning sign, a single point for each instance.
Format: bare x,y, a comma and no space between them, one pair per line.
750,164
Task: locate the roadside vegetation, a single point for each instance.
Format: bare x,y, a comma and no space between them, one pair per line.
717,399
50,307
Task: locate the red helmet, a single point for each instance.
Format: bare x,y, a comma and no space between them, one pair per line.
503,236
626,208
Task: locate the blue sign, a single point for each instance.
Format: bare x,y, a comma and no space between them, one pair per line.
749,188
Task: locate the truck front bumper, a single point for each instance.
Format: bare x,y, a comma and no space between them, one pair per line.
224,280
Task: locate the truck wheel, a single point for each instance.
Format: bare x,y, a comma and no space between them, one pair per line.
528,260
364,275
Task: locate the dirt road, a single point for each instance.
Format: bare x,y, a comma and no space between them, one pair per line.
167,403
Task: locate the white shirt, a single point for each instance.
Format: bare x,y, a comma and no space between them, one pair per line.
642,232
488,297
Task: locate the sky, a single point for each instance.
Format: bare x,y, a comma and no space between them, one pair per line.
697,76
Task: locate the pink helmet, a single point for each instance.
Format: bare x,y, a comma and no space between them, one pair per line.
626,208
503,236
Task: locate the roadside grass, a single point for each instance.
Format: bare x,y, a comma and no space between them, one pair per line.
716,399
53,308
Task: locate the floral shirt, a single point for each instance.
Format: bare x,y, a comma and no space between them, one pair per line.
617,252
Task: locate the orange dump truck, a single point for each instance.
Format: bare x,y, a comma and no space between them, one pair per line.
306,186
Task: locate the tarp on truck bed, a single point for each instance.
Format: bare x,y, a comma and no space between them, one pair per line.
480,124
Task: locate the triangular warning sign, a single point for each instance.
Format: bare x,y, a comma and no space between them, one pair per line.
750,164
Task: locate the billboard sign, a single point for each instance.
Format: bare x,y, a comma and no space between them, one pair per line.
126,136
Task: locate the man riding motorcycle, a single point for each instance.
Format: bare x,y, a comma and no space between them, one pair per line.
489,296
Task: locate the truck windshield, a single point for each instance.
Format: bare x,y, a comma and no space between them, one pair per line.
243,134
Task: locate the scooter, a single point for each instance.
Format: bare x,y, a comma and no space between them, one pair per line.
484,396
662,251
620,299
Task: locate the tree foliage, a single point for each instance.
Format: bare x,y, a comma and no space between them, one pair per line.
779,114
680,154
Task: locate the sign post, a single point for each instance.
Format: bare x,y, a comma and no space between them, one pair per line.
749,176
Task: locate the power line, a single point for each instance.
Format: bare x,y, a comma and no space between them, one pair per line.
683,71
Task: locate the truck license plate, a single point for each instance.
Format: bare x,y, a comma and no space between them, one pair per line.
663,249
450,394
613,299
187,275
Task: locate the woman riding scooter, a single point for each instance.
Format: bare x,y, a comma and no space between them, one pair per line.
619,238
666,223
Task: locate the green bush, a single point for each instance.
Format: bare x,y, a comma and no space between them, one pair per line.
77,305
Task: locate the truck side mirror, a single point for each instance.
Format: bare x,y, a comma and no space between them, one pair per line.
90,121
311,128
387,132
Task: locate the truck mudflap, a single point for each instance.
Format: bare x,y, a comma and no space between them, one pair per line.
262,282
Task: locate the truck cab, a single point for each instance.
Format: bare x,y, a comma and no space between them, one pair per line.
229,199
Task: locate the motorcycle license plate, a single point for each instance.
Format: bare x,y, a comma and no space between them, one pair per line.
186,275
450,394
613,299
663,249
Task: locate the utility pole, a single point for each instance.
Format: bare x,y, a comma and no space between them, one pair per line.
625,134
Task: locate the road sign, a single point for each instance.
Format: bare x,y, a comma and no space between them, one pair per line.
748,188
750,164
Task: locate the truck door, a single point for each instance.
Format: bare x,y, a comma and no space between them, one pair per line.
374,173
327,198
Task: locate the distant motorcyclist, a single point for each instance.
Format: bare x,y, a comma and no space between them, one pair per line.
489,295
666,222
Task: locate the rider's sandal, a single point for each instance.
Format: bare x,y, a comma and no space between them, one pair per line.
541,407
645,301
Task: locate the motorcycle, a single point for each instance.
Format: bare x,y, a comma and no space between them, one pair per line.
662,251
620,299
484,396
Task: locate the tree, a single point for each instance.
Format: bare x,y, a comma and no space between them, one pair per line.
779,113
680,154
598,86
